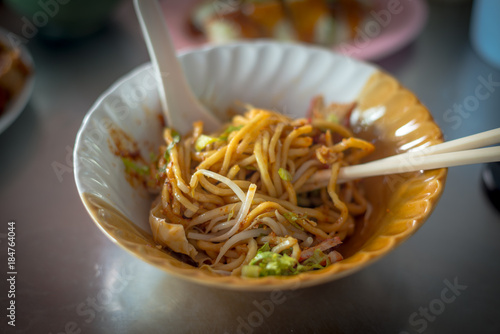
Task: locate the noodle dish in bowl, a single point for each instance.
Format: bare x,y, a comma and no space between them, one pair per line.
240,208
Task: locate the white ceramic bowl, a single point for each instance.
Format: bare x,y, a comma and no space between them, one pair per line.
268,75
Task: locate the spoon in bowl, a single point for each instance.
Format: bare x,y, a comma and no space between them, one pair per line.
180,107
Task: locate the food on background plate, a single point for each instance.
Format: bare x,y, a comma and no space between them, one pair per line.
237,201
13,75
324,22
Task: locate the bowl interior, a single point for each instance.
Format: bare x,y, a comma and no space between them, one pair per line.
281,77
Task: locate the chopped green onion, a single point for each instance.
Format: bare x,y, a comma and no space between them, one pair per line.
264,248
161,171
152,156
316,259
284,174
203,141
267,263
132,166
251,271
176,137
231,213
230,129
332,118
292,219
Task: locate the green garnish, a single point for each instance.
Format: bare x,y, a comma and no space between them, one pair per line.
250,271
231,213
230,129
203,141
284,174
152,156
316,259
292,219
161,171
267,263
132,166
176,137
332,118
264,248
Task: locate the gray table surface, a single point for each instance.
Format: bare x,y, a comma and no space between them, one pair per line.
72,279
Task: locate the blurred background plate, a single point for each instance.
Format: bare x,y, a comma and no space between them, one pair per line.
17,104
387,27
404,24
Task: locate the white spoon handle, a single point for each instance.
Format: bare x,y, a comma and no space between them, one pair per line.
179,104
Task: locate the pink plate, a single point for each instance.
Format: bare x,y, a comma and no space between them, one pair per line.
389,27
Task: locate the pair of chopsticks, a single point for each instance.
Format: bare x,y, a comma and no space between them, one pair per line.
463,151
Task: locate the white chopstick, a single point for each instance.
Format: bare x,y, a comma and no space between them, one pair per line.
465,143
457,152
424,162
